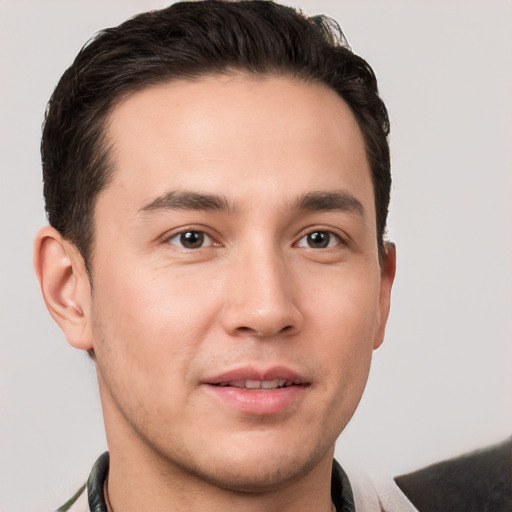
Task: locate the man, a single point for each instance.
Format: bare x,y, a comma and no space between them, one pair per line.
217,182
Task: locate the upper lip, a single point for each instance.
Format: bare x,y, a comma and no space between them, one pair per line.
253,373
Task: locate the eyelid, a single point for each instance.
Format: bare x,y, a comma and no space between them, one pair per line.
342,237
166,239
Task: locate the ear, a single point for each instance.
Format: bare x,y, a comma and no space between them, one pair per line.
65,285
388,269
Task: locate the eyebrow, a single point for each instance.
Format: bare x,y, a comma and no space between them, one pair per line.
312,201
186,200
330,201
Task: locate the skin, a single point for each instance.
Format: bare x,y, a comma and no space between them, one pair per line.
257,292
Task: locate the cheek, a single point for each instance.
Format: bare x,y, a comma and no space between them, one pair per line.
346,307
346,321
149,323
348,354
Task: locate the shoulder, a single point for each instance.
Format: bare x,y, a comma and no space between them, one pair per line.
376,492
478,481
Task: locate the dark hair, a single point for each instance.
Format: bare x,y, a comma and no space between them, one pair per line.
185,41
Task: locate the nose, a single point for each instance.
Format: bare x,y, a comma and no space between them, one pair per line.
261,297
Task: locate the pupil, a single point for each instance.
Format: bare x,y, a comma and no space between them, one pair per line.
192,239
318,239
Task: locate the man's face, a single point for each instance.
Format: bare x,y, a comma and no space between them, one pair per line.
237,289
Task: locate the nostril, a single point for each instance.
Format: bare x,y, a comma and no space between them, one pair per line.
262,332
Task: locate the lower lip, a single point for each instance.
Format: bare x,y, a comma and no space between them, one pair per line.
258,401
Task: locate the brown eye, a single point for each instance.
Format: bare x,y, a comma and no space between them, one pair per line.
319,240
190,239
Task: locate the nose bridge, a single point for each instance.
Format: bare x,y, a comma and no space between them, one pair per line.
261,298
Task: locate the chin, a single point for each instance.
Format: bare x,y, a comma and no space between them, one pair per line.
254,480
251,471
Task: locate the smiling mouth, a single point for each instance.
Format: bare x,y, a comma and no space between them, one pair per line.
258,384
259,392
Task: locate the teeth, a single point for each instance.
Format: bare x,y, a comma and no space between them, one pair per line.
257,384
269,384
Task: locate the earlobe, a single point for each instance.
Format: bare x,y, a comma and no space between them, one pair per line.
64,284
388,270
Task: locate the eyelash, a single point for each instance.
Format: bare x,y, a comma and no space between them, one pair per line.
205,236
331,235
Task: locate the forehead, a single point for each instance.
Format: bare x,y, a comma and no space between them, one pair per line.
252,135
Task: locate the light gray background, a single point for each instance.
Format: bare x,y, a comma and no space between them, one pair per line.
441,383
